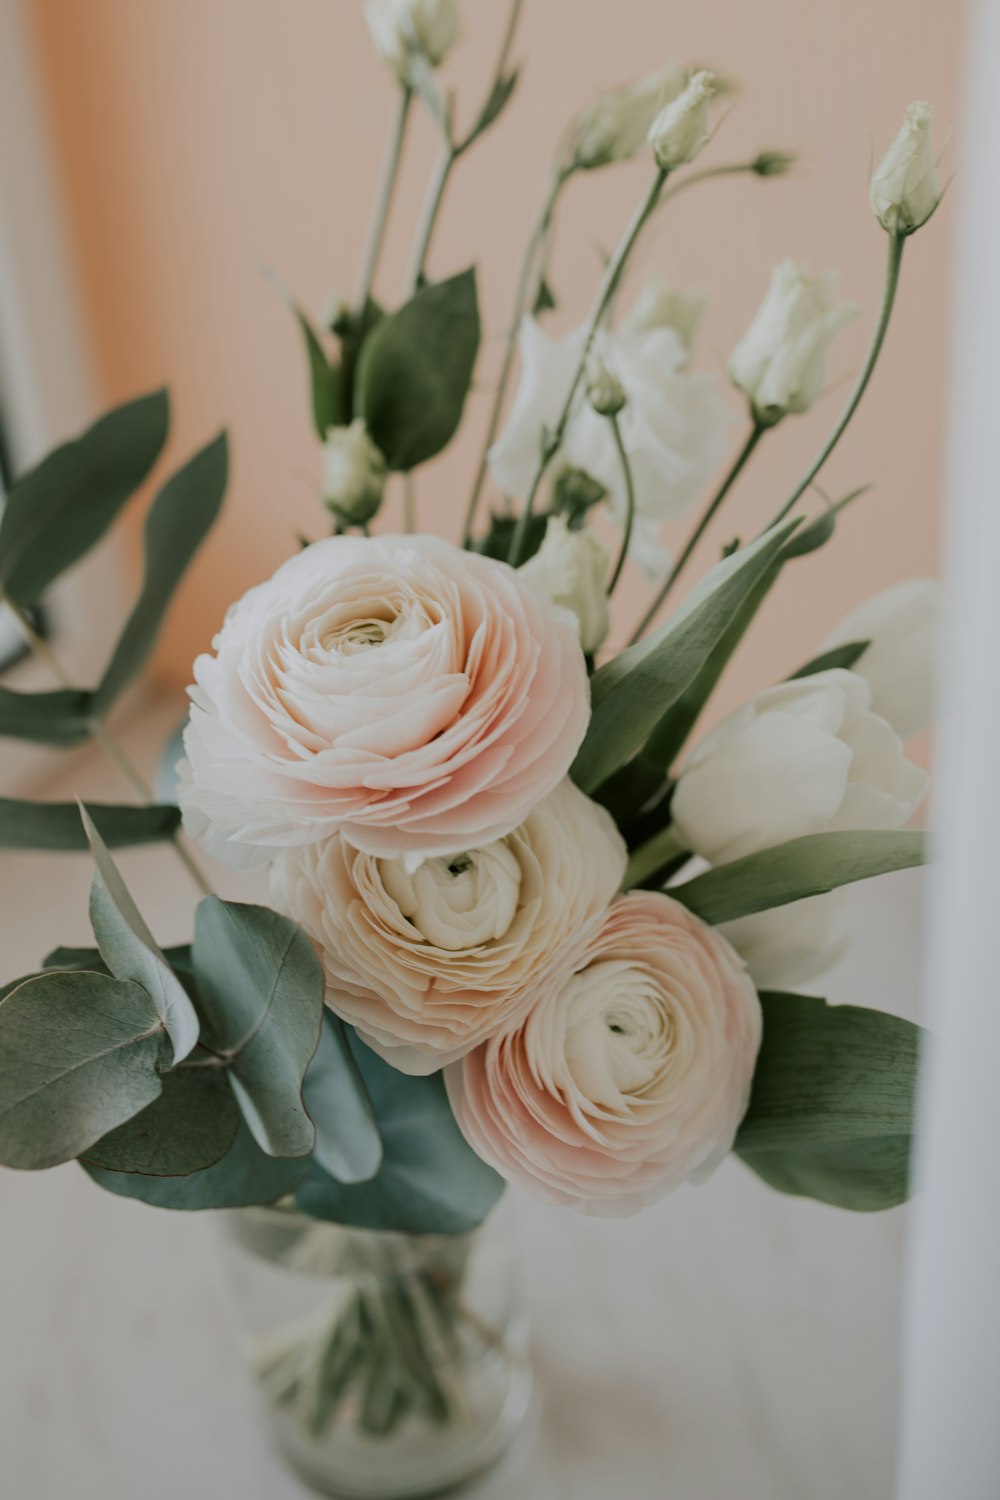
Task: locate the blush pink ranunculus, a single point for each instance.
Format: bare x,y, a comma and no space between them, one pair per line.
412,697
631,1072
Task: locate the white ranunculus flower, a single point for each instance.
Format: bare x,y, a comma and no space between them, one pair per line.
807,756
780,362
353,473
903,626
789,945
571,569
401,27
659,306
616,124
428,961
673,424
680,130
906,188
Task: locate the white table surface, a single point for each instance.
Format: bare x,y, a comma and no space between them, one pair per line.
729,1344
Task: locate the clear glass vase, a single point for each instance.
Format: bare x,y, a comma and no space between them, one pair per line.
392,1365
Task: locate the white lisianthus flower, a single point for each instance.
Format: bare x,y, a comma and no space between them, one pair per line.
790,945
673,424
780,362
902,626
659,306
353,473
400,28
680,130
807,756
616,124
428,960
571,569
906,188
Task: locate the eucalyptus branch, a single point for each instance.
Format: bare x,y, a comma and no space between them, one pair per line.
41,649
383,200
629,499
891,283
753,438
612,276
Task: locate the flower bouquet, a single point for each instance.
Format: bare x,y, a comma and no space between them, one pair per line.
523,923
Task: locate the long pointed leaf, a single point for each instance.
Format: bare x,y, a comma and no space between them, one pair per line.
61,718
56,825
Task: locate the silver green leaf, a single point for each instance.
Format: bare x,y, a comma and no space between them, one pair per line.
348,1144
191,1126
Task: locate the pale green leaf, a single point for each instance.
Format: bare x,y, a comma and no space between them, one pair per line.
244,1176
57,825
348,1144
191,1126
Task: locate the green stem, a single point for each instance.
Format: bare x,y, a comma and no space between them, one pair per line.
662,849
756,433
630,502
383,201
609,283
893,262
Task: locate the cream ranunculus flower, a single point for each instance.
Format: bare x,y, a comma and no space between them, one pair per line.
906,188
353,473
571,568
807,756
411,696
680,130
631,1071
903,626
428,961
659,306
400,28
780,362
790,945
615,125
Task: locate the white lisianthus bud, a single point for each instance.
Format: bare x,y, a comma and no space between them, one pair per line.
780,362
400,28
807,756
571,569
659,306
906,188
616,124
353,473
681,128
604,391
789,945
902,626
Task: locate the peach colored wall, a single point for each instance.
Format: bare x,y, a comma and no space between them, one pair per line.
203,138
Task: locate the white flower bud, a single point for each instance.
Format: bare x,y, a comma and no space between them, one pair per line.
780,362
571,569
906,188
659,306
400,28
353,473
681,128
616,124
902,626
604,391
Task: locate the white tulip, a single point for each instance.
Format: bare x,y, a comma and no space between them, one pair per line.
906,188
659,306
571,569
616,124
902,626
780,362
400,28
680,130
789,945
353,473
808,756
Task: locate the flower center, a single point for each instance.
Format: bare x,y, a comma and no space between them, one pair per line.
460,900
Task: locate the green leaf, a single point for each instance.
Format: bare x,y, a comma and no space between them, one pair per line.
261,989
90,958
497,102
244,1176
497,541
430,1181
348,1144
839,656
57,511
56,825
190,1127
631,693
61,718
545,299
129,949
415,371
803,867
78,1057
167,782
177,523
324,379
831,1112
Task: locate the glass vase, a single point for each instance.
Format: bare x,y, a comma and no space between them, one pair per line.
391,1365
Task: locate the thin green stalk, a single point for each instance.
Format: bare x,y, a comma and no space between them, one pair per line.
383,200
609,282
661,849
756,433
629,499
893,262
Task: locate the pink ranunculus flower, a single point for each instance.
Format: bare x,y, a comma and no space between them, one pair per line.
412,697
631,1072
428,962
